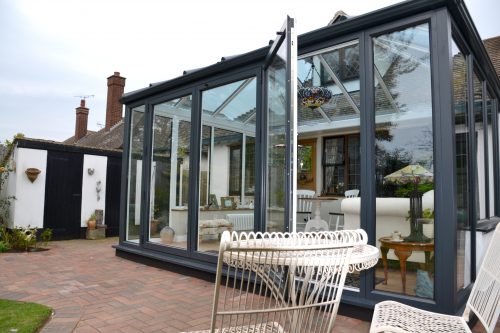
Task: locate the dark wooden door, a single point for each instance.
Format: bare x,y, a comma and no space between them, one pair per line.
63,194
113,184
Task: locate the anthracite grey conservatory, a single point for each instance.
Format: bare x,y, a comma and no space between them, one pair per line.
400,105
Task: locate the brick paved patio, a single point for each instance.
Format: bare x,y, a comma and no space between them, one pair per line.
92,290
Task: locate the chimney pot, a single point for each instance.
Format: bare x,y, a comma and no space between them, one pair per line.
82,103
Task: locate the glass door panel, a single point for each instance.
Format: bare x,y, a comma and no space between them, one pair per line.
281,130
136,153
404,149
227,162
334,125
170,173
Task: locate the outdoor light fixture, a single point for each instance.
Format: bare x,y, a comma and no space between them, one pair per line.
313,97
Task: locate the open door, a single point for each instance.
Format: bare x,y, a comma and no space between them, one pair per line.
281,130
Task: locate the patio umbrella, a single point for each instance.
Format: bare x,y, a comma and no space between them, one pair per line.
413,174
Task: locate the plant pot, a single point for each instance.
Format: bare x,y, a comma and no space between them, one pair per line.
91,224
167,235
32,174
427,227
154,226
428,230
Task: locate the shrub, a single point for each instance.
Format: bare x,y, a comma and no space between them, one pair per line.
23,238
46,236
3,246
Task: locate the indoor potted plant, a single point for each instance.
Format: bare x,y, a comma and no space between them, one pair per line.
427,221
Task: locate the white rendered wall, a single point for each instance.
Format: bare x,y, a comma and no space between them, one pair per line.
30,197
90,200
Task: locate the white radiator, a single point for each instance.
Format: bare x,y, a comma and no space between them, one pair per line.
241,222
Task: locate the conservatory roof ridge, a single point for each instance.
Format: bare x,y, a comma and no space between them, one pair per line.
188,76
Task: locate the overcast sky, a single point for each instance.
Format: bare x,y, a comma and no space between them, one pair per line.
54,50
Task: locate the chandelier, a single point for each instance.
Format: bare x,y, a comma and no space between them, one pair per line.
313,97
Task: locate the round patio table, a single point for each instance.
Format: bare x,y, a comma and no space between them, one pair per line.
363,256
317,201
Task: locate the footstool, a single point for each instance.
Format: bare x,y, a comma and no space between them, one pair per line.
213,227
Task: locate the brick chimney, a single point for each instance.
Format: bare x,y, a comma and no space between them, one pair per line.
116,85
82,115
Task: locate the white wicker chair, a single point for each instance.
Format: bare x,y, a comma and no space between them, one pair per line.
351,193
390,316
280,282
304,207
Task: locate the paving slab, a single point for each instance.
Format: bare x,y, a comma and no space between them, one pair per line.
92,290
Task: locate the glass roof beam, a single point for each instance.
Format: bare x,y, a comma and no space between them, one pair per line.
252,116
404,54
384,88
338,83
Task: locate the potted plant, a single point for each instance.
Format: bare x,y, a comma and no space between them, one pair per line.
92,221
155,220
427,221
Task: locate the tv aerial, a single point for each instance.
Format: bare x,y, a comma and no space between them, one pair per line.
84,97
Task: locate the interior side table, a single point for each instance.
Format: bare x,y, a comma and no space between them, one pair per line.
403,250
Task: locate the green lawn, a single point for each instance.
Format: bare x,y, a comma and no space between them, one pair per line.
25,317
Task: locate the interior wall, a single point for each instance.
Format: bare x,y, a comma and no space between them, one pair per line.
219,179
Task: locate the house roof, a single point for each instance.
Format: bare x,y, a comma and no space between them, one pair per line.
105,139
338,17
72,140
492,46
61,146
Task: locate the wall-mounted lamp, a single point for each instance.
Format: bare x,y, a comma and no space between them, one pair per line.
90,171
32,174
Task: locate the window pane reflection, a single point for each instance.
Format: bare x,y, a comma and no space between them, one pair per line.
489,114
404,162
480,152
462,172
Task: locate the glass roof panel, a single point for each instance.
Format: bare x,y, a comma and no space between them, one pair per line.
335,68
235,101
177,106
404,53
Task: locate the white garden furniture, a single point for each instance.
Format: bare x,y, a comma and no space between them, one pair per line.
284,282
390,316
304,207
